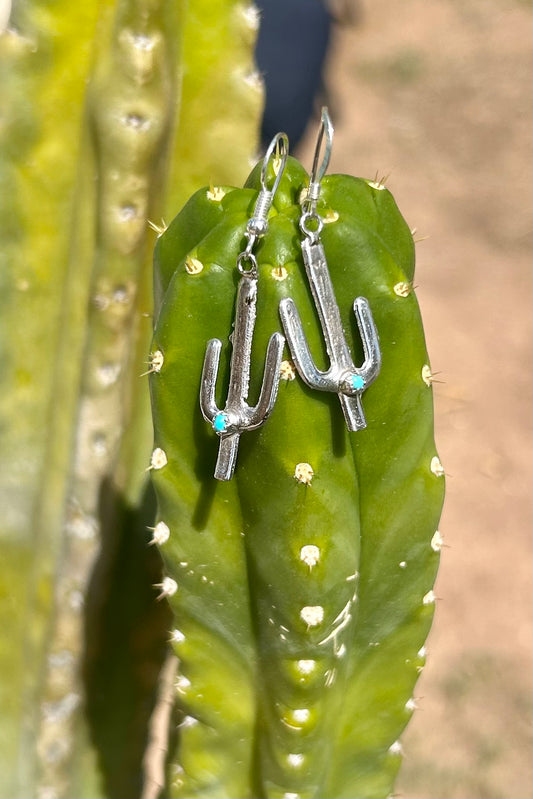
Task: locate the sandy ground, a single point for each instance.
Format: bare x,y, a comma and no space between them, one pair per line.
436,94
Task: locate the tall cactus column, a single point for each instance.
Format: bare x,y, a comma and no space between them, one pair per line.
129,116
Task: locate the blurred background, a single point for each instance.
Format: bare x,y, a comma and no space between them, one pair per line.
436,96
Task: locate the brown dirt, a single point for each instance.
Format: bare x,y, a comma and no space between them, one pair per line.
438,95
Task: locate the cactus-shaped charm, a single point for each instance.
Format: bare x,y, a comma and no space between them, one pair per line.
342,377
237,415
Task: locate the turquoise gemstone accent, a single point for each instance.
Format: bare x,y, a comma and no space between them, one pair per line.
220,422
357,382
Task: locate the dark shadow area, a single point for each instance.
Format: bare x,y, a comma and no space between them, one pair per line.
126,640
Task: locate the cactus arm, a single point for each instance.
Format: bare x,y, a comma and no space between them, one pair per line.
208,404
270,384
351,404
292,324
369,337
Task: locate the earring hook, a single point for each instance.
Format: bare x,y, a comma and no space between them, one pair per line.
327,129
310,222
258,223
280,140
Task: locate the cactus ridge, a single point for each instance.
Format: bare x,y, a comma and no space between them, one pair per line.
302,590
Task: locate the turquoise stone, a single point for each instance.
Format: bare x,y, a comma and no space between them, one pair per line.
357,382
220,422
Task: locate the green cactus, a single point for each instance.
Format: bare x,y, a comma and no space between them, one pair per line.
301,589
111,111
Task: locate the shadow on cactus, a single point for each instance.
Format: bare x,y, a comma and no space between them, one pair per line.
302,587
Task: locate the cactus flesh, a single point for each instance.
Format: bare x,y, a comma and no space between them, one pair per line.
303,588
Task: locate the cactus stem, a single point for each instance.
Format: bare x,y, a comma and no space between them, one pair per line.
154,761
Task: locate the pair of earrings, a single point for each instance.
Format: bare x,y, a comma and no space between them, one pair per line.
342,377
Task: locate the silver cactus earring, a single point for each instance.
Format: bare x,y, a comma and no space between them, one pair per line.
237,415
342,377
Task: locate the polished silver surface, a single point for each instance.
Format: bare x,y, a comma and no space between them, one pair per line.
310,222
343,377
237,415
258,223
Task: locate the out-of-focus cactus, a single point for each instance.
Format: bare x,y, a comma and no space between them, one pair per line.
302,589
94,142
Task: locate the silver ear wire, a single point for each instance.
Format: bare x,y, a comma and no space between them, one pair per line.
310,221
